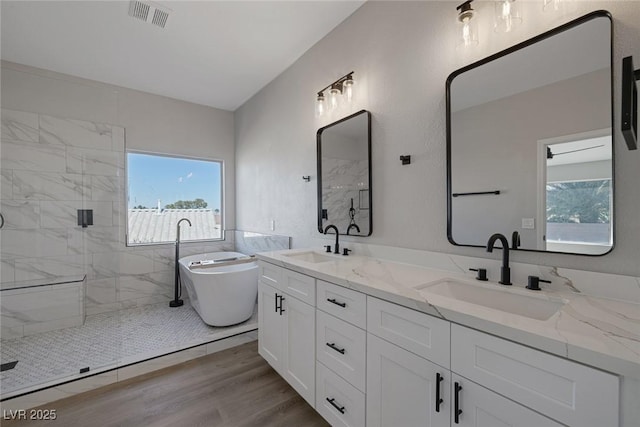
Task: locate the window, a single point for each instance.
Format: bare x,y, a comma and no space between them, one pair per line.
162,189
579,212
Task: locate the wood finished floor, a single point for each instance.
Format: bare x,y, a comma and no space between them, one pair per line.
234,387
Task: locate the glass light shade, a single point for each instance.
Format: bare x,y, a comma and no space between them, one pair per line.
320,107
507,16
334,97
468,36
348,89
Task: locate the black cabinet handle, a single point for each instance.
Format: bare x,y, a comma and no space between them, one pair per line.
439,400
333,301
276,301
335,405
282,310
333,346
456,403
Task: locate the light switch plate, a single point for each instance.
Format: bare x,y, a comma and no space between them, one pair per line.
528,223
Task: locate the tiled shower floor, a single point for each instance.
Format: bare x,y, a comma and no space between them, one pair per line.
106,341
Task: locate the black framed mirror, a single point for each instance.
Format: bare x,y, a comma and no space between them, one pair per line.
344,175
530,143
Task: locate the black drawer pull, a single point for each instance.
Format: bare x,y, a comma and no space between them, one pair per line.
456,403
276,301
335,405
333,301
333,346
282,310
439,400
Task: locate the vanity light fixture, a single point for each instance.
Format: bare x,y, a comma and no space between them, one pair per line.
507,16
342,86
320,104
468,33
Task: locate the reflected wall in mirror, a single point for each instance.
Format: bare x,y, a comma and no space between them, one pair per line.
529,143
344,175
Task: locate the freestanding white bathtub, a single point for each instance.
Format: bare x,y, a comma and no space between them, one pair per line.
222,295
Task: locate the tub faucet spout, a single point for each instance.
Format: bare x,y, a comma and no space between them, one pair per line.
178,229
177,302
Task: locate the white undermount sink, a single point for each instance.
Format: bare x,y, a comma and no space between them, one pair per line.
487,295
312,257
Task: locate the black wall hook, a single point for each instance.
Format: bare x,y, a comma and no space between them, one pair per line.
306,178
406,160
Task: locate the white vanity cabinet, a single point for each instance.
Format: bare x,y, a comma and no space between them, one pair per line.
364,361
408,377
404,389
286,332
568,392
479,407
341,348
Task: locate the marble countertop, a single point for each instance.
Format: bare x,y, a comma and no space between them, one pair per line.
599,332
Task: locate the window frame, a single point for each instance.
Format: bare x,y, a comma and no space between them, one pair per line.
223,233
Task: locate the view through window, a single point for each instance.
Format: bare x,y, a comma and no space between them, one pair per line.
579,212
164,189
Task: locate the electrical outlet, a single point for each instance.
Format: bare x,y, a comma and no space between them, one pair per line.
528,223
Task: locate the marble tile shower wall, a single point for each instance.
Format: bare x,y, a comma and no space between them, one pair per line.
343,181
52,166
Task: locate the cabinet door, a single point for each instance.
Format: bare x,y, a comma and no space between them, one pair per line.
270,327
483,408
573,394
402,388
299,347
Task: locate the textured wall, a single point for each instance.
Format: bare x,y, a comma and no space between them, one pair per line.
402,53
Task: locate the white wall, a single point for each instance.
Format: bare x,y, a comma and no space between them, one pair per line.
402,53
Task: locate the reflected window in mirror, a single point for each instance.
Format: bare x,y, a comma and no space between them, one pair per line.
578,193
529,145
344,175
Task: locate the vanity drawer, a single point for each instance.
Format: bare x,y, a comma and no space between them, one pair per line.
342,348
568,392
345,304
270,274
299,285
340,403
420,333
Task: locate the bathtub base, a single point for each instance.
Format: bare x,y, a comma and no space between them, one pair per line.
224,295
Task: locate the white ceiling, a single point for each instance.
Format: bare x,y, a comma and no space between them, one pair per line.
215,53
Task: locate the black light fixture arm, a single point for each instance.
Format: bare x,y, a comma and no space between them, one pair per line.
338,83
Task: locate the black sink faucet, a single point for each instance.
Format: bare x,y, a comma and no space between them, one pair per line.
505,271
329,227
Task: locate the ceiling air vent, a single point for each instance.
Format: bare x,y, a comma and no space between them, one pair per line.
149,12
